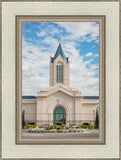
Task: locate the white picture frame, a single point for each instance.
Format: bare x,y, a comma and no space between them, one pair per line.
9,147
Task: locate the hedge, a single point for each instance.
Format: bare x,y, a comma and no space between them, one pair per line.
90,126
31,126
83,126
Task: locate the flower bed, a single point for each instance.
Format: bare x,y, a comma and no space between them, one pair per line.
59,129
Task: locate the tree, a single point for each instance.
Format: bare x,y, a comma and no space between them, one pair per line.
23,119
97,119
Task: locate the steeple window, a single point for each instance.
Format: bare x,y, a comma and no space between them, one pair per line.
59,73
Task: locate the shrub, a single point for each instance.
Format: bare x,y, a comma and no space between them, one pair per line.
34,126
31,126
63,125
84,126
23,119
54,126
97,119
91,126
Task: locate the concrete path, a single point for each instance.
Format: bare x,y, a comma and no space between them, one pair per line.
80,135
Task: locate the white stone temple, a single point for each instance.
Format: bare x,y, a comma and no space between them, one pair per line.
59,102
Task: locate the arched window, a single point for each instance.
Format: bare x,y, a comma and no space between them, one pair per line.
59,115
59,73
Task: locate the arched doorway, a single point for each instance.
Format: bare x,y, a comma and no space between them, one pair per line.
59,115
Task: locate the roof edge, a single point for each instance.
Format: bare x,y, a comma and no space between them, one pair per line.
84,97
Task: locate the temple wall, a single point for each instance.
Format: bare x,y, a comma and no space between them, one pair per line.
30,108
78,111
47,105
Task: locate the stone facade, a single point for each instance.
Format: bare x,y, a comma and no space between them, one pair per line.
60,102
53,74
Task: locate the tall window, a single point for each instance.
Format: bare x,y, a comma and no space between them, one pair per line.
59,73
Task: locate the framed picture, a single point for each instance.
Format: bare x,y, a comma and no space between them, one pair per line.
60,94
60,114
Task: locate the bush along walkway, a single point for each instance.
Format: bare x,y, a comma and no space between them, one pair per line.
34,128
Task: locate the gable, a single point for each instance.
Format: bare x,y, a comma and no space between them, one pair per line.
60,95
57,89
59,52
59,59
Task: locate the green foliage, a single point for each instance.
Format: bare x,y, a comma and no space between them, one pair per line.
23,119
34,126
54,126
63,125
97,120
91,126
84,126
31,126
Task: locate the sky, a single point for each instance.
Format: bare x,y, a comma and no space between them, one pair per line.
80,41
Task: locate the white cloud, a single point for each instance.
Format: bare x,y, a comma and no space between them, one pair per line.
41,34
87,31
50,41
35,67
89,54
82,77
50,30
33,64
96,55
94,66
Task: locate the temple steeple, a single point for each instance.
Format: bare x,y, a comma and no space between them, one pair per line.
60,52
59,67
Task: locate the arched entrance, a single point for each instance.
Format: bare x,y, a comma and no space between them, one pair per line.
59,115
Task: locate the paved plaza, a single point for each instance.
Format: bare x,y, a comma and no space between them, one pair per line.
81,135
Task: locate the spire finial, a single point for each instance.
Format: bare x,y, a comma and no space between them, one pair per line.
60,39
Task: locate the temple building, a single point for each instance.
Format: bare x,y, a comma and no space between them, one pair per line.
59,102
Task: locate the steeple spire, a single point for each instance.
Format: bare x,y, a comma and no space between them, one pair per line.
60,52
59,67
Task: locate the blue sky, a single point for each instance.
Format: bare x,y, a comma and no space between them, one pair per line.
80,41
